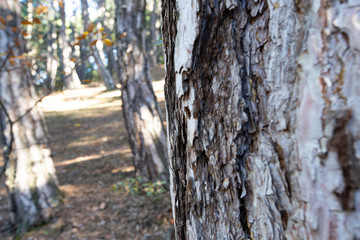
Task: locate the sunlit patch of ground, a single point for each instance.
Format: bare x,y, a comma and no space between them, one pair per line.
91,154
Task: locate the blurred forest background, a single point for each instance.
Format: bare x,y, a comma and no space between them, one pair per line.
93,72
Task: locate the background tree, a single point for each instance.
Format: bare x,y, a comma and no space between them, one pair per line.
89,27
141,111
263,118
70,78
31,179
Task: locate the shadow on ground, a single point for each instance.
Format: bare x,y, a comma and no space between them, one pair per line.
90,150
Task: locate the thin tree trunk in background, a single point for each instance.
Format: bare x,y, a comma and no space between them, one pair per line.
71,79
142,115
153,35
51,62
103,71
30,172
109,50
263,118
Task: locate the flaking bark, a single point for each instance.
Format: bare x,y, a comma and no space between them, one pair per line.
263,125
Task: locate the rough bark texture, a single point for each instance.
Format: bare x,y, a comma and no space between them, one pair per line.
263,118
142,115
103,71
30,173
71,79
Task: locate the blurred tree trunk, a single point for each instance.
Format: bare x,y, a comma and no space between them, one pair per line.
153,35
71,79
264,118
30,172
103,71
103,19
52,61
140,108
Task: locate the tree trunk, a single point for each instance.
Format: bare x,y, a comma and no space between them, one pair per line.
71,79
103,71
31,179
51,61
140,108
263,118
153,35
103,19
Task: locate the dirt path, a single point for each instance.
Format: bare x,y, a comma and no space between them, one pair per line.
91,154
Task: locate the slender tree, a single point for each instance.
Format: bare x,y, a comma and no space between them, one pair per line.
154,17
140,108
263,118
103,71
71,79
52,59
30,172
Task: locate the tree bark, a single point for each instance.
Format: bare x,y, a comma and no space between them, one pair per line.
103,71
153,35
30,172
71,79
103,19
51,61
263,118
140,108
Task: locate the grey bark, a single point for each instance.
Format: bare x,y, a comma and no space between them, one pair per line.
263,118
51,61
30,172
103,71
141,111
109,50
153,35
71,79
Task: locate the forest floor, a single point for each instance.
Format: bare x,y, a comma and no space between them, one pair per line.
91,154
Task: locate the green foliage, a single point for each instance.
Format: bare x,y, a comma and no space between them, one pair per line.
136,186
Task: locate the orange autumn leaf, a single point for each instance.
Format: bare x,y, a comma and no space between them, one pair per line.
73,59
36,20
122,35
17,44
76,44
2,20
86,33
90,27
24,33
40,36
26,22
12,61
9,18
93,43
14,29
81,37
61,4
108,42
38,10
22,56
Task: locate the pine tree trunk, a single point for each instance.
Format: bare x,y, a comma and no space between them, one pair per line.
51,62
153,35
263,118
30,172
141,111
103,71
71,79
103,18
